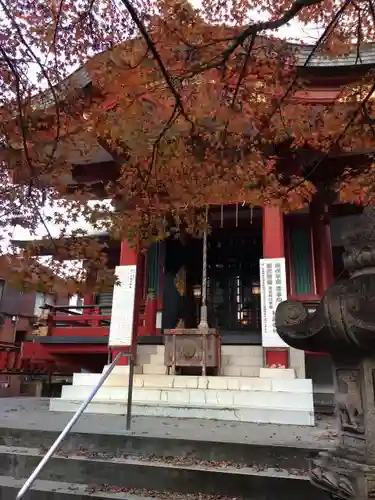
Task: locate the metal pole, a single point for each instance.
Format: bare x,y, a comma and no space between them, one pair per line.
203,324
66,430
130,394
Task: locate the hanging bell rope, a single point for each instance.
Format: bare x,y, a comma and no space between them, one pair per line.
221,216
203,324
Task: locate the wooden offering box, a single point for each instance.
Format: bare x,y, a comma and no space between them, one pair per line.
192,347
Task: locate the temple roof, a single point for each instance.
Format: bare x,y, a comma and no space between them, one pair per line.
80,151
364,56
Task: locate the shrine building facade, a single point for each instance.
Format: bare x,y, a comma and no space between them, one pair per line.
255,258
198,315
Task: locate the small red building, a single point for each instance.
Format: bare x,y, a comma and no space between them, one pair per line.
19,313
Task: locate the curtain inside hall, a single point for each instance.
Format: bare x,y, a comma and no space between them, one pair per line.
153,267
300,240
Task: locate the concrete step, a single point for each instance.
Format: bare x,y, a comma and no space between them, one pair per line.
155,369
282,401
252,482
179,381
182,449
224,397
57,490
260,414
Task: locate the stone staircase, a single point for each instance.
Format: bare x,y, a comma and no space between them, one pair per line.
136,467
274,397
150,360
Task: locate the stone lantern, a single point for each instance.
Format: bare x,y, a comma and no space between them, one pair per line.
343,326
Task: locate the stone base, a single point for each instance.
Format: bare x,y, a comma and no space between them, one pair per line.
262,400
236,361
277,373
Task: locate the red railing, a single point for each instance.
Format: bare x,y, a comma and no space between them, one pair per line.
147,318
78,321
10,359
91,322
13,361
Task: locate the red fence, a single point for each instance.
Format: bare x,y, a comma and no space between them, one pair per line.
93,321
80,321
14,361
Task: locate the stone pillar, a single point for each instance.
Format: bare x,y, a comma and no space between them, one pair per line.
344,326
273,247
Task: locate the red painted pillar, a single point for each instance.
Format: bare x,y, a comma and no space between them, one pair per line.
322,245
273,248
273,233
150,315
129,257
153,304
160,297
89,299
128,254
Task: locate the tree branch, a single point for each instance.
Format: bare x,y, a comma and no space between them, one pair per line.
155,53
254,29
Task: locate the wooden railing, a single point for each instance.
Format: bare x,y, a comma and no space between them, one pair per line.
10,359
77,320
13,361
82,321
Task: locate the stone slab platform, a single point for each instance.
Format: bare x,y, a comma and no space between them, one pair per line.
58,490
154,475
182,455
33,414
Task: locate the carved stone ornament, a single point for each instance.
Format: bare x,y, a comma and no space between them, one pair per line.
344,321
334,478
343,325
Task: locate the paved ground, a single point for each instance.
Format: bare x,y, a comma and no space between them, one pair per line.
33,413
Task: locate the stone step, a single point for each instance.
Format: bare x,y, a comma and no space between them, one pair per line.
58,490
247,399
277,373
210,446
259,414
196,382
261,399
248,482
154,369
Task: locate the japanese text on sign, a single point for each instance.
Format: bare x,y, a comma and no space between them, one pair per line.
273,291
122,317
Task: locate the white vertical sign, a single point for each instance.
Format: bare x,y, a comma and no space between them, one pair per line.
273,290
122,316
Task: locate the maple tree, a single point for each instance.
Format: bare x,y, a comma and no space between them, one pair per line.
195,106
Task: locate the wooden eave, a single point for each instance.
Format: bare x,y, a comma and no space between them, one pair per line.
324,77
46,247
